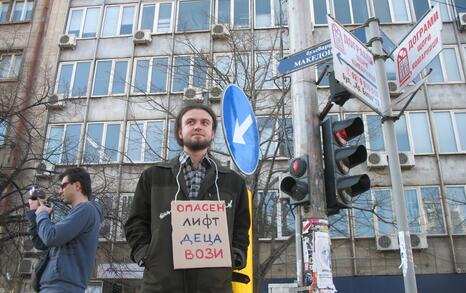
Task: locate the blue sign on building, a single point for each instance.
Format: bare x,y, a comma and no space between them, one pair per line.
240,129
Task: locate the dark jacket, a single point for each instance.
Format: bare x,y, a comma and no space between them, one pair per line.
72,245
149,233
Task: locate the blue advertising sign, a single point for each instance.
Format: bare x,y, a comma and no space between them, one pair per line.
323,52
240,129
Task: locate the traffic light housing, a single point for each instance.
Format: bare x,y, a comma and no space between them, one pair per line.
339,158
296,186
338,93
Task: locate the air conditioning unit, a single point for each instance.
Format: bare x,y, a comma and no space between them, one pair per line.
67,41
393,89
25,266
462,21
216,93
45,169
377,160
142,37
406,160
386,242
219,32
192,94
418,241
28,246
55,102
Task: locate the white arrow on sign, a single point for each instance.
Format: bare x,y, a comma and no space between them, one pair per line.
240,130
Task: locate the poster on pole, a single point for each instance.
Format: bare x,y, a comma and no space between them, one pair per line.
200,234
354,66
418,48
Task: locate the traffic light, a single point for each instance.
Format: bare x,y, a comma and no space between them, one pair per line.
297,185
339,158
338,93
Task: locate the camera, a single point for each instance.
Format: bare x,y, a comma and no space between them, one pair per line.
36,194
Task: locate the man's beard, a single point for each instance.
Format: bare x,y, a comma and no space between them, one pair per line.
197,145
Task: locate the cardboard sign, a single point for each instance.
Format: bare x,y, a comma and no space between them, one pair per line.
200,234
419,48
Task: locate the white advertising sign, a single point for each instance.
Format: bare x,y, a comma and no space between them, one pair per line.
419,47
354,65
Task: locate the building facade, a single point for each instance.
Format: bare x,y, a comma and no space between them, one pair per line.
118,71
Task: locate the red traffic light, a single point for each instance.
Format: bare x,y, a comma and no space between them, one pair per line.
298,167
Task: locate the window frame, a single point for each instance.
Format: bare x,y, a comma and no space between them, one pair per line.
72,78
443,67
452,114
23,11
11,69
102,147
232,15
111,77
83,21
147,90
120,17
155,21
272,16
62,138
177,26
144,141
192,66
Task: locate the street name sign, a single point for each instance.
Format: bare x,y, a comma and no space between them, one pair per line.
354,66
418,48
240,129
323,52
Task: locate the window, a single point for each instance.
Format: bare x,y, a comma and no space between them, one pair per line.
63,143
150,75
126,201
384,211
460,5
276,220
106,201
363,217
110,77
21,10
145,141
102,142
271,13
456,200
419,126
73,78
83,22
10,65
422,6
219,144
173,147
264,70
193,15
118,20
233,12
157,17
451,131
339,225
412,207
268,143
391,11
3,127
346,11
445,67
375,133
285,137
4,11
232,69
401,133
189,71
432,210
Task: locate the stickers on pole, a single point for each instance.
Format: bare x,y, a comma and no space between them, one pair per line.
418,48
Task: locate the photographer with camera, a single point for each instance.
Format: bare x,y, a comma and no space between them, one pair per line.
71,243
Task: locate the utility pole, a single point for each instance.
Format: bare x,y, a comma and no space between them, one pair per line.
404,239
306,126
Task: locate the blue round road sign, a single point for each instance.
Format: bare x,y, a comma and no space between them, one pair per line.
240,129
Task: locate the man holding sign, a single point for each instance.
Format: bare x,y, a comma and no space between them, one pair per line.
188,225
